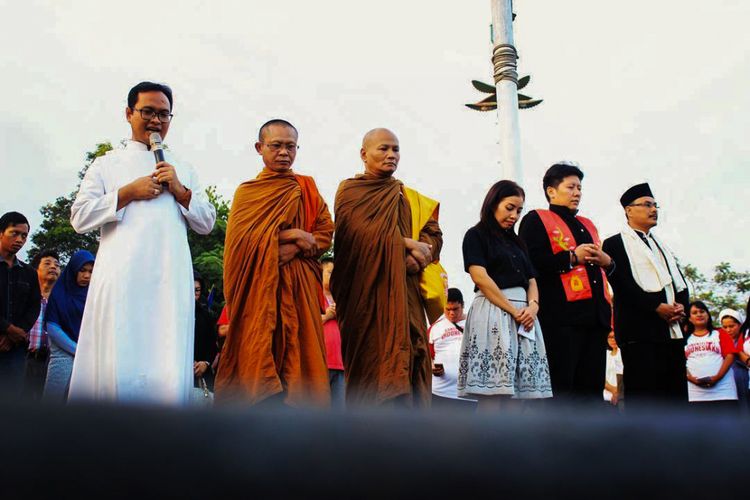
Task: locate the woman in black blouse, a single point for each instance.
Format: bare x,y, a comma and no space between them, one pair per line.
502,353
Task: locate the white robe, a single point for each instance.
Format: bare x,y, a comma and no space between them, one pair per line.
136,337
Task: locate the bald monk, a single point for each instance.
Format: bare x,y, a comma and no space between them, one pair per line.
278,226
375,283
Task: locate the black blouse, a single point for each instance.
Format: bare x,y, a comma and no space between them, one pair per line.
506,263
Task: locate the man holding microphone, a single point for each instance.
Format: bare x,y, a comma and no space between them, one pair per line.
135,341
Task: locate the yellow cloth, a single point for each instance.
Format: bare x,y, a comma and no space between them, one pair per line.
434,281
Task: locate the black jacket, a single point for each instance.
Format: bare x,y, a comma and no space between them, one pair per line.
554,309
20,297
636,319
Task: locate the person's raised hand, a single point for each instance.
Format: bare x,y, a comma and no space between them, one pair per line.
166,173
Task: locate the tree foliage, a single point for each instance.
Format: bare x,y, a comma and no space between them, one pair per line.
725,288
55,231
208,250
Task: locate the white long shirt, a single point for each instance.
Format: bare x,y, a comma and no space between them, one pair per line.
446,339
136,338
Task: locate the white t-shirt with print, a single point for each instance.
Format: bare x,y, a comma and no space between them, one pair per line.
705,356
614,368
446,340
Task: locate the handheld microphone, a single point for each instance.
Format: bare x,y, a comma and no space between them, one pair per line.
156,147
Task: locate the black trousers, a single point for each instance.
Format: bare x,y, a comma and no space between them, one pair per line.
654,372
35,374
12,365
577,362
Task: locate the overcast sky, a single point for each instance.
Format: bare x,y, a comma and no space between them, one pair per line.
634,91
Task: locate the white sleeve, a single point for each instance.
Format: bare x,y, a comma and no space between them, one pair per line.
93,206
200,213
619,367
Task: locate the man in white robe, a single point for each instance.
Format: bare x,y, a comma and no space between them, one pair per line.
136,338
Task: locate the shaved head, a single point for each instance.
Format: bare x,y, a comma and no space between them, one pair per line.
380,152
375,134
277,122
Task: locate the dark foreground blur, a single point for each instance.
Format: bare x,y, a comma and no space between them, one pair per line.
547,452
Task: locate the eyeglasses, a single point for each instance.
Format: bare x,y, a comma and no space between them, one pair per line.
197,290
646,204
148,113
278,146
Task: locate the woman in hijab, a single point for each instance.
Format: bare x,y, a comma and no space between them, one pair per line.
63,318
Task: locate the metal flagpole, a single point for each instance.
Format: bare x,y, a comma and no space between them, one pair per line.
504,58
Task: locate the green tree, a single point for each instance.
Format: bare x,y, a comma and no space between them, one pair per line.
208,250
726,288
55,230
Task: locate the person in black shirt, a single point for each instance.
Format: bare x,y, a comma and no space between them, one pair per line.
204,347
575,310
502,351
20,300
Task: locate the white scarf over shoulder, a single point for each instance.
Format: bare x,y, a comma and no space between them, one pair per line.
652,272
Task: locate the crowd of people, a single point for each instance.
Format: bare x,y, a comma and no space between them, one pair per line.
558,313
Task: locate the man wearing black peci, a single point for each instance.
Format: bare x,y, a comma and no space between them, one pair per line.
651,297
574,305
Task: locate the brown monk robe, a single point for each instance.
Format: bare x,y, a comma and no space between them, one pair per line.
278,226
375,283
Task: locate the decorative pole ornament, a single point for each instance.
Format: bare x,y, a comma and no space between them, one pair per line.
504,57
504,96
504,61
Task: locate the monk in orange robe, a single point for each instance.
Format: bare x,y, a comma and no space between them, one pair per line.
278,226
375,283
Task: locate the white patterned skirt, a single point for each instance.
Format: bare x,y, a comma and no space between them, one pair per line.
495,359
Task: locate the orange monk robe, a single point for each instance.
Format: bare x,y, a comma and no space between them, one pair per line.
379,306
275,341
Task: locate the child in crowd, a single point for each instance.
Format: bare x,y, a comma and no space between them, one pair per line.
613,378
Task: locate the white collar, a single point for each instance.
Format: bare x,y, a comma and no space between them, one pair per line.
131,144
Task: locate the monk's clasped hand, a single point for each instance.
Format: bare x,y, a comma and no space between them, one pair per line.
307,244
412,266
